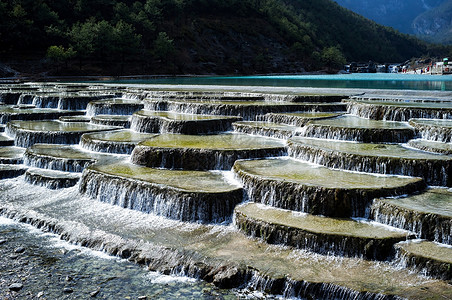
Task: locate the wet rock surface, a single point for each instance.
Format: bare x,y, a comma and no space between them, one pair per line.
193,196
427,257
374,158
51,269
428,214
399,111
344,237
352,128
172,122
204,152
273,130
299,186
248,110
118,141
176,221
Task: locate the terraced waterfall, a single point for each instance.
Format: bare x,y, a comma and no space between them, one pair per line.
299,195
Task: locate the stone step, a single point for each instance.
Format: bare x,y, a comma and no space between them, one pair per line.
112,120
11,171
51,179
11,155
203,152
431,146
399,111
374,158
434,130
344,237
213,253
6,141
301,186
28,133
299,118
357,129
114,107
62,157
248,110
194,196
117,141
429,258
267,129
82,118
428,214
173,122
10,113
67,101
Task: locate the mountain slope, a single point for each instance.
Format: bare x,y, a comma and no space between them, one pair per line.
194,36
436,24
398,14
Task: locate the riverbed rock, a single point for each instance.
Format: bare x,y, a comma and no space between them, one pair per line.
15,287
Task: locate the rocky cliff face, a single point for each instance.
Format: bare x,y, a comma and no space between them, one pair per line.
435,24
426,18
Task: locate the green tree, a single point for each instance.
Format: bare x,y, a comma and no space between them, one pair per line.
163,46
332,58
82,39
104,38
126,41
59,54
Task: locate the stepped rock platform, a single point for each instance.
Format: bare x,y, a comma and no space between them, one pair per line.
299,118
28,133
51,179
300,186
10,171
114,107
428,214
374,158
219,255
399,111
11,113
117,141
431,146
68,101
316,233
6,141
83,118
112,120
62,157
178,221
11,155
203,152
434,130
248,110
430,258
357,129
194,196
171,122
273,130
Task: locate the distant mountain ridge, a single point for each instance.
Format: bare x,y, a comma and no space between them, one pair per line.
428,19
435,24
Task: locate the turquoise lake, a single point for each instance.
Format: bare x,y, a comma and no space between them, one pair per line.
358,81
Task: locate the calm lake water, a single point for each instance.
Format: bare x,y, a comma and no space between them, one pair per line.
359,81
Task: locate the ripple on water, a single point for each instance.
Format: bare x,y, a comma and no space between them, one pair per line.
49,265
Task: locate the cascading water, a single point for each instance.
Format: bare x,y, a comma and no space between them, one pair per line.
170,219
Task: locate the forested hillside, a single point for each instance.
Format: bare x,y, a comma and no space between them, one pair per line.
193,36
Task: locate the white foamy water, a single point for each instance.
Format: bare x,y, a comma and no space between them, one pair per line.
159,278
